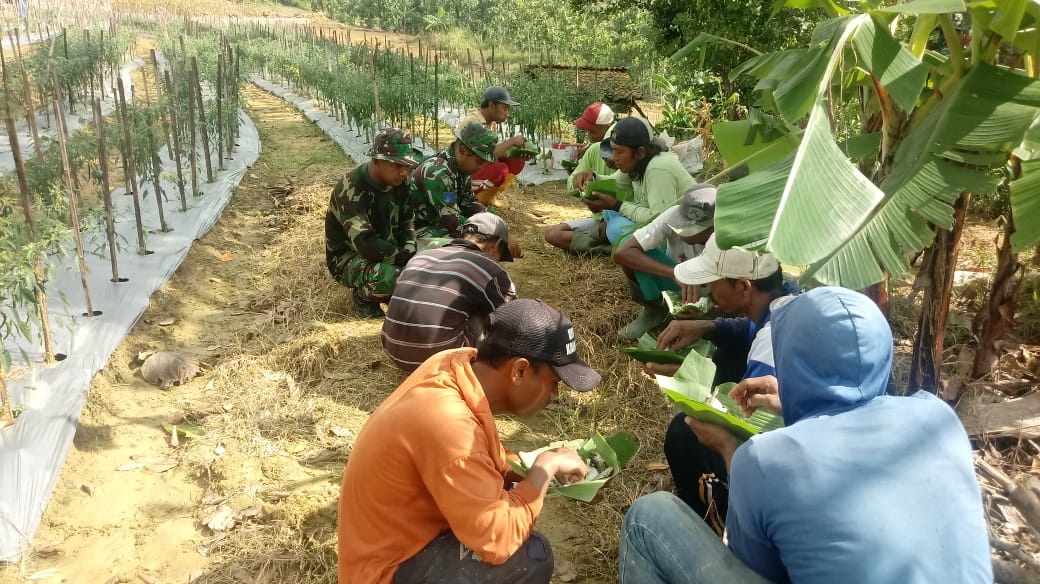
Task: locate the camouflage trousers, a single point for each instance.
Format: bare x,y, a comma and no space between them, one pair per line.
374,281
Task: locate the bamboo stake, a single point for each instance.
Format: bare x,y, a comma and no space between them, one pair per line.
23,188
77,234
110,228
30,108
375,88
237,75
220,111
176,152
193,157
131,169
158,98
156,174
195,86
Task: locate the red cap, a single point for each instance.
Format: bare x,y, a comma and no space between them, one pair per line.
597,114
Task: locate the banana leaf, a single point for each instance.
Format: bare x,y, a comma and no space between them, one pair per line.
184,430
652,355
616,450
646,351
731,418
607,186
693,379
522,151
673,300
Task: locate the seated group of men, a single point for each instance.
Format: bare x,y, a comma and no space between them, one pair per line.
846,492
397,204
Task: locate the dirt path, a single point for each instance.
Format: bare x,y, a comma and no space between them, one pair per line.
251,496
143,522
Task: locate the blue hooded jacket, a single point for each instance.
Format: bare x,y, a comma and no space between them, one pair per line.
860,486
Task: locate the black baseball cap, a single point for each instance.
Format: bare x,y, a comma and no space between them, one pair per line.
531,329
499,94
633,132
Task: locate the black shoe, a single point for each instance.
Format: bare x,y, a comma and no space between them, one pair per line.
367,309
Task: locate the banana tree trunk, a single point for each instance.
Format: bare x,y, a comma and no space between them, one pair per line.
940,261
995,318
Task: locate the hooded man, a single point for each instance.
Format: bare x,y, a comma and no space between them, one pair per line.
425,495
444,295
858,487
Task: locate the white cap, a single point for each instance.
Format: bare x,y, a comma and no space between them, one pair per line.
715,264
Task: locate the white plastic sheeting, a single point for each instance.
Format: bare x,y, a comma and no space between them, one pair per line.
357,146
33,451
45,122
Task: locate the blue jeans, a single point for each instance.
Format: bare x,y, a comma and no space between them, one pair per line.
664,542
616,223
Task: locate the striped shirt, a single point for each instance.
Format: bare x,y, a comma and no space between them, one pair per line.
437,296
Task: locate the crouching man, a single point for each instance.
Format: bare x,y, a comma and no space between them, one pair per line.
426,495
370,224
444,295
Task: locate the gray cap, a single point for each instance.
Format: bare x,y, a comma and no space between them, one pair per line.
493,226
498,94
697,210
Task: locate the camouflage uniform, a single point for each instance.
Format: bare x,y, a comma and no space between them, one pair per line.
441,193
369,229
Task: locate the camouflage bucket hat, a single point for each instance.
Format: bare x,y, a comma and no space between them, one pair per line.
480,140
394,145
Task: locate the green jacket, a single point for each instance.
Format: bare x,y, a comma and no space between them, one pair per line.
367,219
435,215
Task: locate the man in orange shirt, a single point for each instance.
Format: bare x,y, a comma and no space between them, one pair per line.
426,495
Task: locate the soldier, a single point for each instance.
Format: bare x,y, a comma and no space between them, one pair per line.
369,227
441,190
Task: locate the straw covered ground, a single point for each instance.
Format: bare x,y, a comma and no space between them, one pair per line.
247,494
293,375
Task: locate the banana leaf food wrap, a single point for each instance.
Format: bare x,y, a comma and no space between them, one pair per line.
610,454
607,186
690,389
646,351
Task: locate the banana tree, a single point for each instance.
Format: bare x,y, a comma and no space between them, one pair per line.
875,142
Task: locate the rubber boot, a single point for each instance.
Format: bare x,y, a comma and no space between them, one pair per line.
492,196
652,314
366,308
587,243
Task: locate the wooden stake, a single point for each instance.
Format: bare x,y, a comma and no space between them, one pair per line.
156,174
158,99
220,111
196,87
30,108
23,188
131,169
110,227
77,234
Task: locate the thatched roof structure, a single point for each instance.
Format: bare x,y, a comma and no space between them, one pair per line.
613,83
